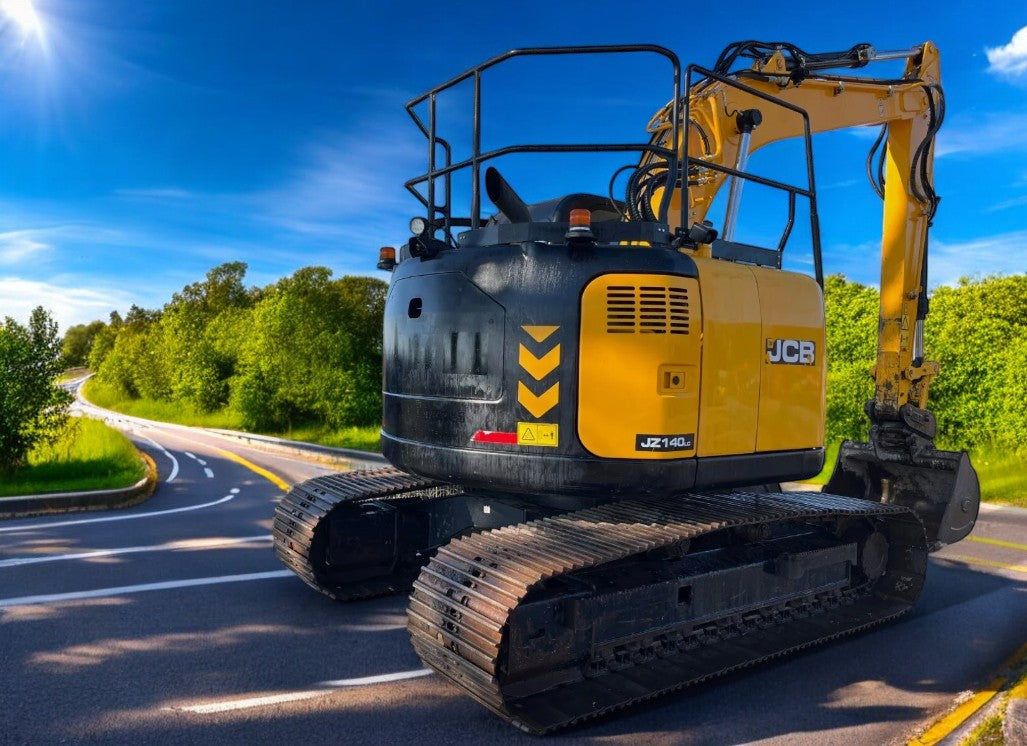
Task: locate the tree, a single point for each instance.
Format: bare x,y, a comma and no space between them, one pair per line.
851,311
313,355
103,342
975,331
78,341
32,405
192,337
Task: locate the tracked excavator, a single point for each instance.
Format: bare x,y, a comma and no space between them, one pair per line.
590,403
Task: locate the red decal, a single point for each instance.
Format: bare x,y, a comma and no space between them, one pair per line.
494,436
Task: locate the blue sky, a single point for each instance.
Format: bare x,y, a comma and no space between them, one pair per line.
142,143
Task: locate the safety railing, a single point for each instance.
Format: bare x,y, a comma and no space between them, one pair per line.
441,216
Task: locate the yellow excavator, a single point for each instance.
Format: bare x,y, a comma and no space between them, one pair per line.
590,403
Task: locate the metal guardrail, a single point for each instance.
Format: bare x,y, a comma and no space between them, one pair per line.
298,446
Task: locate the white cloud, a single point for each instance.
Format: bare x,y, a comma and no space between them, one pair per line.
1001,254
352,177
982,133
349,192
346,190
1006,204
868,133
989,133
18,246
1009,60
156,193
69,304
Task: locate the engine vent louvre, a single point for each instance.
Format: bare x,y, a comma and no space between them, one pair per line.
646,309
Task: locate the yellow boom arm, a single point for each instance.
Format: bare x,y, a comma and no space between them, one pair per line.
907,106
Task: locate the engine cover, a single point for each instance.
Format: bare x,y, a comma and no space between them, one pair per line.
549,369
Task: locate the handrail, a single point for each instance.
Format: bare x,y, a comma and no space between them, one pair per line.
477,157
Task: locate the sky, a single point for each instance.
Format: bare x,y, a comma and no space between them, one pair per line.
143,143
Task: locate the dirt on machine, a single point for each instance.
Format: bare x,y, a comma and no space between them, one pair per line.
590,403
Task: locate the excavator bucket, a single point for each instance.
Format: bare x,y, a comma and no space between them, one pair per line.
940,487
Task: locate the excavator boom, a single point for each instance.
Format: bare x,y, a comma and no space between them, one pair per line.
910,110
900,462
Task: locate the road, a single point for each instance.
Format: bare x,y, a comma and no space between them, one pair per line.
173,623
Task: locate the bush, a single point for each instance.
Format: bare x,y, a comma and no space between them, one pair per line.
32,405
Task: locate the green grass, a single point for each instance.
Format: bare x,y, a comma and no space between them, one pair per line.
1003,476
988,733
829,459
88,456
179,413
359,438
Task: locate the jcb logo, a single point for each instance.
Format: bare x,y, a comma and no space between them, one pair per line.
791,351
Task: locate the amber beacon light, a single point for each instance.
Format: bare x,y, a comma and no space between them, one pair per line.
386,258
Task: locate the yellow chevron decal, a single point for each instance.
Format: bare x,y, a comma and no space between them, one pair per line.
540,333
538,405
539,367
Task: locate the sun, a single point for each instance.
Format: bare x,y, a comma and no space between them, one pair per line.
23,15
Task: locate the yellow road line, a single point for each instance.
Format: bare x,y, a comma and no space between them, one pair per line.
986,563
957,717
997,543
276,480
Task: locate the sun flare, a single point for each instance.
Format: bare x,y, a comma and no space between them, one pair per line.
23,15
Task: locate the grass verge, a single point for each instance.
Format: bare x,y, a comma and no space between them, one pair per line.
359,438
179,413
990,731
87,456
1003,475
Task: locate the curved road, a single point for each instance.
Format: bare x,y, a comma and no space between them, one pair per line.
173,623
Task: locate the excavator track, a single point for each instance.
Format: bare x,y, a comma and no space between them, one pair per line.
303,516
562,619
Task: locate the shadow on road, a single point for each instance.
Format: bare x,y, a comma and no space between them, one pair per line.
115,672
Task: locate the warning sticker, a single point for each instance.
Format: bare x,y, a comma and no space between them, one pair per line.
537,434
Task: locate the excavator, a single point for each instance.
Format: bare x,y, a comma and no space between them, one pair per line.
590,403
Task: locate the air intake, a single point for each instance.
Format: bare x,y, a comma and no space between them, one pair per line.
646,309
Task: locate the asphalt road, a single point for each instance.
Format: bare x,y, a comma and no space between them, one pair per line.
173,623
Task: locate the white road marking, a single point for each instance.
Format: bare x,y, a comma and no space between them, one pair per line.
234,490
106,519
168,547
242,704
274,699
201,462
126,590
166,452
380,679
189,455
207,470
